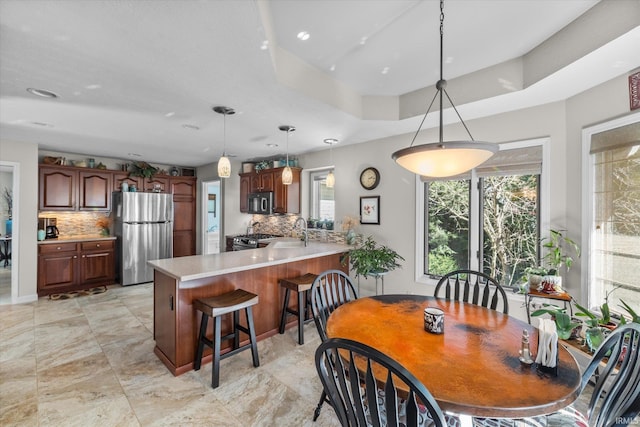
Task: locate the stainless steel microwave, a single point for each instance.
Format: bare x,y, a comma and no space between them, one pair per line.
261,203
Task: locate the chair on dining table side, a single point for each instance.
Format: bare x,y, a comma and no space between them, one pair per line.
473,287
331,289
358,398
614,371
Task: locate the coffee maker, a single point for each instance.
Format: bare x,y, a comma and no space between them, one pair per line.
49,225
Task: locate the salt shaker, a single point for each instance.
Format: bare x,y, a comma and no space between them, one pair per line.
525,351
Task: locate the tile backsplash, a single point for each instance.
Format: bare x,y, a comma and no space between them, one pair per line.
76,223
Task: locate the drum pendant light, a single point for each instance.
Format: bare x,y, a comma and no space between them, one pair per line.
330,180
287,175
224,165
443,158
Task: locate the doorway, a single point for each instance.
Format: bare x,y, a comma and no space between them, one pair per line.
8,232
211,217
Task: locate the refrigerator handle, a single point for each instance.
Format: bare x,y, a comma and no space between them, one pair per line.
171,302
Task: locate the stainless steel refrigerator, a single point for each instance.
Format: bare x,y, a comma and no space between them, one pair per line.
143,224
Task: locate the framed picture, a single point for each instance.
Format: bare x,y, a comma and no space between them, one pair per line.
370,210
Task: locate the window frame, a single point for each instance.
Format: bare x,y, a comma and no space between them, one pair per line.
313,194
474,209
588,187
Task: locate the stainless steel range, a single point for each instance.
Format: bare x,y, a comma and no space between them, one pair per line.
250,241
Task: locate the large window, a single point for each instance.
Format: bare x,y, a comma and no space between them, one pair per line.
614,158
321,198
488,219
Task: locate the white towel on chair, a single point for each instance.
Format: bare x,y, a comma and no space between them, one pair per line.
547,343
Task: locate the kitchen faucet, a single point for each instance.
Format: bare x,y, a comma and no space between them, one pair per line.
305,234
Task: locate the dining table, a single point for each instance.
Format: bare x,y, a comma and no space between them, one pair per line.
473,368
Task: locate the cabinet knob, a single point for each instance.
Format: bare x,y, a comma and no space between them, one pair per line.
97,245
75,256
58,248
83,256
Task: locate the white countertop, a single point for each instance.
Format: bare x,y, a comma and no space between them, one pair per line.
201,266
75,238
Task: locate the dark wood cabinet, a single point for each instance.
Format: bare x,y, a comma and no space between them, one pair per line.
57,188
157,183
123,176
95,190
64,267
184,193
286,198
245,189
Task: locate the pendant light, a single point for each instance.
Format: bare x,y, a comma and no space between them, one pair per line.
330,180
443,158
224,165
287,175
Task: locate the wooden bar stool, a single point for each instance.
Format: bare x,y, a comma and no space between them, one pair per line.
231,302
301,285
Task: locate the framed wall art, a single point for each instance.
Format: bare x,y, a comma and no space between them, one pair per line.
370,210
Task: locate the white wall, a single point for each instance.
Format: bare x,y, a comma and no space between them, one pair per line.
24,251
561,122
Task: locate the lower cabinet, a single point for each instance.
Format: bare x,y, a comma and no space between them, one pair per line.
64,267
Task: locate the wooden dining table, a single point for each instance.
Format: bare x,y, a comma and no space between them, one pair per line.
473,368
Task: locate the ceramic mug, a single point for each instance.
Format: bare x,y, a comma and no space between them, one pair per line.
41,235
434,320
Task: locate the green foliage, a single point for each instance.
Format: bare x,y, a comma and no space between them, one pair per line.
558,251
370,258
592,318
564,325
142,169
635,318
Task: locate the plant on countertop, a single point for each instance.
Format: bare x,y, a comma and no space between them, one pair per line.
564,325
103,223
370,258
142,169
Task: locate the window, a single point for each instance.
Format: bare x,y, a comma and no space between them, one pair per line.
321,197
488,219
614,226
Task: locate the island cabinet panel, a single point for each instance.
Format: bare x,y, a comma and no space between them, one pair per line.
95,190
176,324
57,188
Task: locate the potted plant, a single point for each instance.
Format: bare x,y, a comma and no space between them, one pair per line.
567,329
597,323
370,258
635,318
142,169
560,250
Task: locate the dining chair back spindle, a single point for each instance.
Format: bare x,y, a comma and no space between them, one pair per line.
473,287
331,289
359,397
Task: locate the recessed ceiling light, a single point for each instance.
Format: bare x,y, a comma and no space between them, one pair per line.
264,45
330,141
363,40
332,68
134,155
385,70
170,114
272,145
303,35
93,87
41,92
192,127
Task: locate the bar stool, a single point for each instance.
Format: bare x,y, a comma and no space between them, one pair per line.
301,285
231,302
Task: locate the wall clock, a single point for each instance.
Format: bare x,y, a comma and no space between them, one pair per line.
369,178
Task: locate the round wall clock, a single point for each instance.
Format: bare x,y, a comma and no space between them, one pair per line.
369,178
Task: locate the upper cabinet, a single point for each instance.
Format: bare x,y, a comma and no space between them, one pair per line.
58,188
95,190
286,198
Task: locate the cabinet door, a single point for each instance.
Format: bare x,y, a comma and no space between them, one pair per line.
57,271
266,181
256,184
183,188
155,182
97,262
184,228
57,189
120,177
95,190
286,198
245,189
164,315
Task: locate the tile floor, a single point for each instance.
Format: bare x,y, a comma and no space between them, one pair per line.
89,361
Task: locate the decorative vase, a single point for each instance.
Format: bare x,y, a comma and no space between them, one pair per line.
350,238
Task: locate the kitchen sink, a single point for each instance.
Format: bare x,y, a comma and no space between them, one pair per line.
286,243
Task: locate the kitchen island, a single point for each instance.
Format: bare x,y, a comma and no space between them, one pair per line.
179,281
